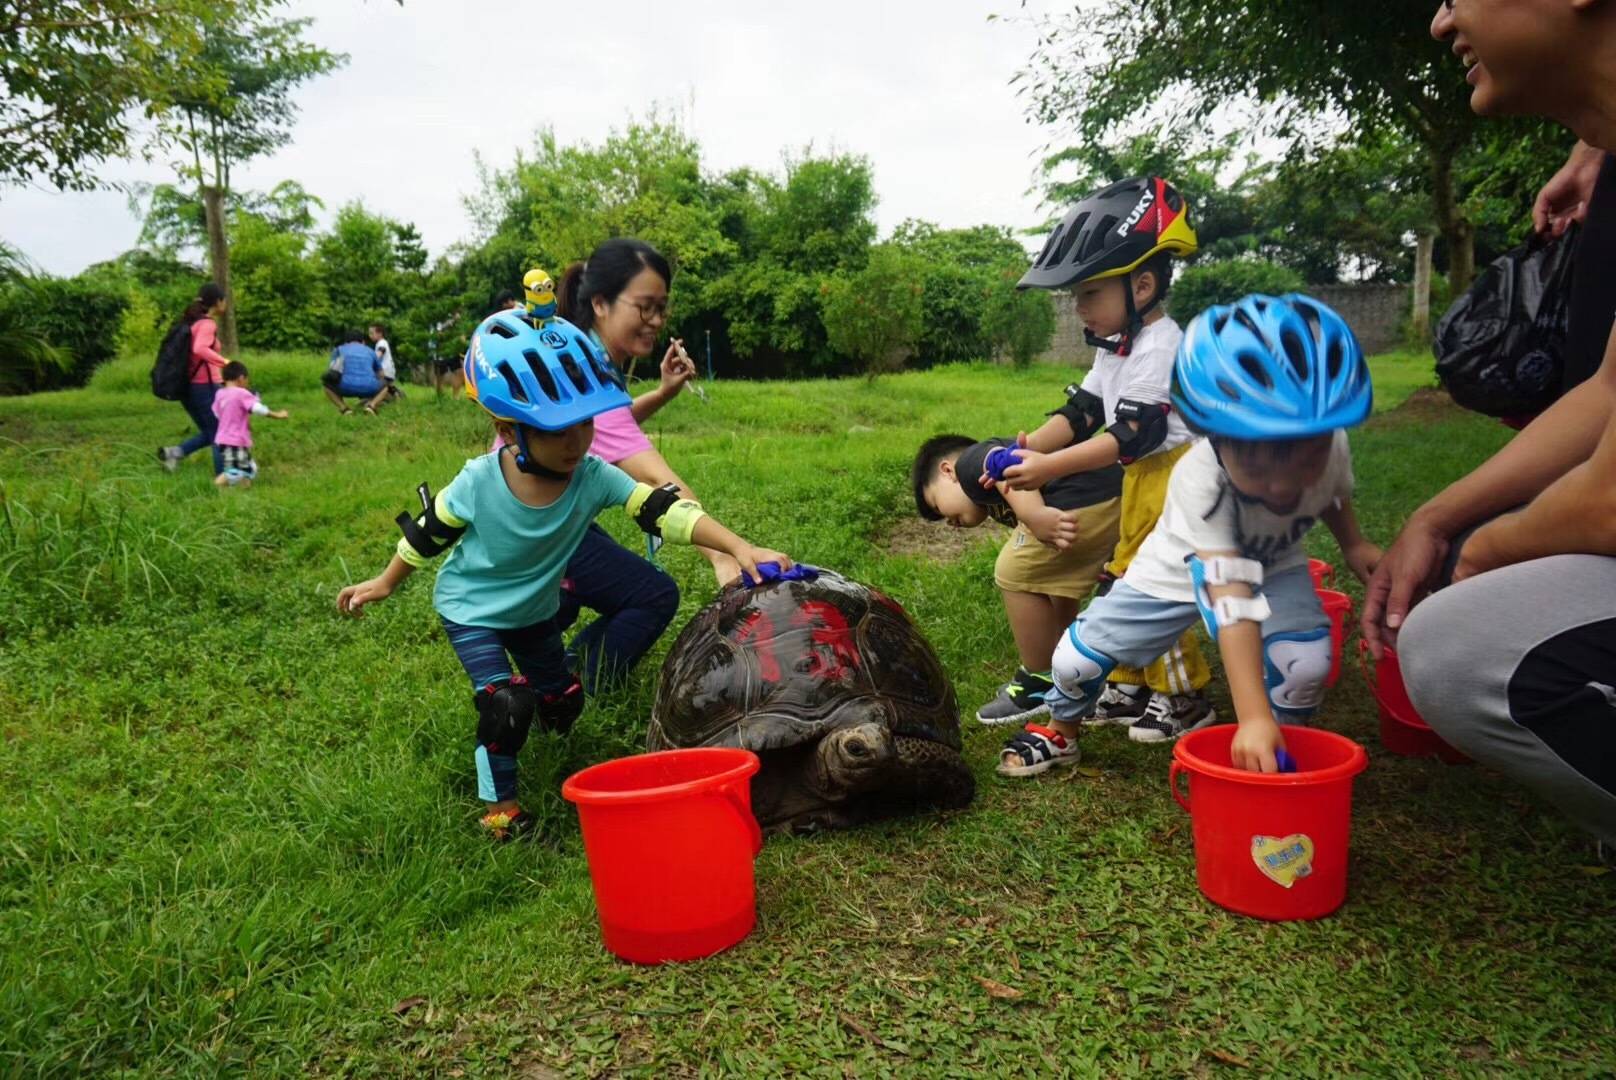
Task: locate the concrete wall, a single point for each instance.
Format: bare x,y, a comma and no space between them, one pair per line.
1376,314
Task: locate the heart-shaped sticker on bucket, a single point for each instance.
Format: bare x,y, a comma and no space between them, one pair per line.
1283,858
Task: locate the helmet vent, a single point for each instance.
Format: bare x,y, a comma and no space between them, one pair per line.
607,374
1046,257
1067,240
1295,352
1097,237
499,329
547,381
1253,366
579,380
1246,321
1334,359
1230,390
513,382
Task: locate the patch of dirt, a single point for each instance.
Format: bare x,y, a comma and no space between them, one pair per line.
1428,404
938,541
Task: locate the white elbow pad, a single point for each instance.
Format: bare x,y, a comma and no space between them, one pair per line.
1227,610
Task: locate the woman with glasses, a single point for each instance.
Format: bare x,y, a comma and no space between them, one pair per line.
619,295
1515,663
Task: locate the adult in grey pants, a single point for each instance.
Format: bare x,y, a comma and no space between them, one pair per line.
1515,662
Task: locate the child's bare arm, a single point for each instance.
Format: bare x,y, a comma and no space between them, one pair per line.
1051,435
1037,469
1240,647
352,599
1053,527
1361,553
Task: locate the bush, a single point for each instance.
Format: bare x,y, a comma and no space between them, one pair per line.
1018,323
141,329
75,320
1209,283
874,316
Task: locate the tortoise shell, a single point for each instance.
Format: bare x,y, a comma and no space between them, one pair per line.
782,664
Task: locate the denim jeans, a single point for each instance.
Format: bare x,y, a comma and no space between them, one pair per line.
199,407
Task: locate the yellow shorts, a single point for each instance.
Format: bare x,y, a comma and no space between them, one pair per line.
1026,565
1144,493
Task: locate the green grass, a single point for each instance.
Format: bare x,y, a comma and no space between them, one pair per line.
238,829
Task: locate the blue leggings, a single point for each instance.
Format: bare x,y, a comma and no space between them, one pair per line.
483,653
636,602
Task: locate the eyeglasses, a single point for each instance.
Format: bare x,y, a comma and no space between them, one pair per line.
650,310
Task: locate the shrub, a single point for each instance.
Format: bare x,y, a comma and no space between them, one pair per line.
1224,282
1019,324
875,315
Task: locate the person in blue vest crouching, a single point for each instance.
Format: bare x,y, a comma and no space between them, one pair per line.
355,372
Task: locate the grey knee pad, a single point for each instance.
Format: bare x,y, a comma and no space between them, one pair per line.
504,715
1295,666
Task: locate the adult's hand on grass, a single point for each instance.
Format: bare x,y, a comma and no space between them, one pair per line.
1401,578
352,600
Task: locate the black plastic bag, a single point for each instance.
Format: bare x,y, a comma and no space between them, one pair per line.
1499,347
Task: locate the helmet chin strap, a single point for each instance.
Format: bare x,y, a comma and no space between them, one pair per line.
525,460
1122,344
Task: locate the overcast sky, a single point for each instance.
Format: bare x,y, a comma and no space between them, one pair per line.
920,86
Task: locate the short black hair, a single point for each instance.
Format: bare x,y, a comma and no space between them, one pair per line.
933,452
352,336
235,369
379,326
502,301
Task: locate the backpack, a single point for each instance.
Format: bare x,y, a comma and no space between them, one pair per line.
1498,347
171,375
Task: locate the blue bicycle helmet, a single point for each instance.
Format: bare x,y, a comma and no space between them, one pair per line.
1270,368
551,377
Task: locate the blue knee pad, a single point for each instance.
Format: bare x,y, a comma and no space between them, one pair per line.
1079,672
1294,669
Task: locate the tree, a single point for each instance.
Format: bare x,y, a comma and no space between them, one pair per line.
1308,69
874,315
970,306
78,74
237,107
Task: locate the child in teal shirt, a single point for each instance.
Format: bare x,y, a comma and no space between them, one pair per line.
511,520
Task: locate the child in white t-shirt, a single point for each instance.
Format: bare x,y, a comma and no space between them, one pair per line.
1114,250
1273,383
384,356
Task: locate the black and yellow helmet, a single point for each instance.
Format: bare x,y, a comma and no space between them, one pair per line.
1113,232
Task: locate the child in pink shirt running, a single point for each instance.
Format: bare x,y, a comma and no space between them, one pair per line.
235,406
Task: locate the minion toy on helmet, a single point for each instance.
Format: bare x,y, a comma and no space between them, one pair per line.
540,294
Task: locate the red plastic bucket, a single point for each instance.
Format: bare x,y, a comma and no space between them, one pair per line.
1271,845
1321,571
670,839
1402,731
1337,605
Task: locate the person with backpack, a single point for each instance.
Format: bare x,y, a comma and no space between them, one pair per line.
188,371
